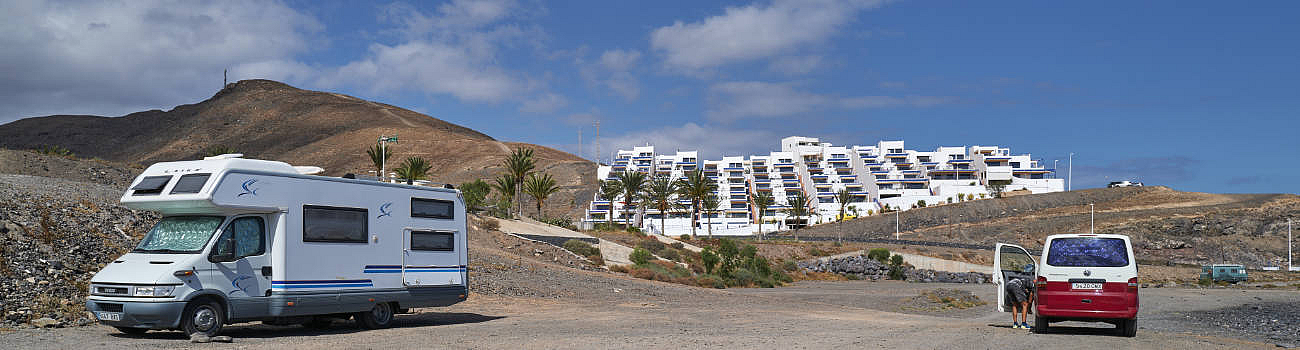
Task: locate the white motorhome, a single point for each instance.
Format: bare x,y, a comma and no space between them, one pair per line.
255,240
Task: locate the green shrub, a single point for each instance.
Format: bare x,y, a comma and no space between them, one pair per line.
582,248
55,150
670,254
684,237
879,254
710,281
710,259
640,256
814,251
636,230
678,245
620,268
896,260
853,277
654,246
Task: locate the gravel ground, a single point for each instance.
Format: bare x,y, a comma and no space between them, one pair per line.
807,315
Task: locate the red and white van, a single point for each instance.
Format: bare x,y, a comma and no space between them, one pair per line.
1080,277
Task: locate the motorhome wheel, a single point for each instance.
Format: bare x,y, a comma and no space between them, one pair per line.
380,316
204,316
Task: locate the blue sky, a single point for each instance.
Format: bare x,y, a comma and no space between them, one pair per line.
1196,95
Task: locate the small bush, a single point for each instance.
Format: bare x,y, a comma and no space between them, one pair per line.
620,268
896,260
582,248
789,266
636,230
670,254
678,245
710,281
654,246
710,259
684,237
837,244
878,254
640,256
853,277
55,150
814,251
645,274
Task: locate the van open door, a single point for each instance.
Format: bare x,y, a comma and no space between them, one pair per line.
1009,261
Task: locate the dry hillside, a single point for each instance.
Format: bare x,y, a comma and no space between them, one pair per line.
270,120
1166,225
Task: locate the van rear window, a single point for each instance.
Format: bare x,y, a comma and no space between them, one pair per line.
1087,252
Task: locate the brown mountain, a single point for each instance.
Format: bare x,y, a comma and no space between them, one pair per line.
270,120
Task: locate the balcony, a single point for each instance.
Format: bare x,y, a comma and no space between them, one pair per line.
762,181
896,155
733,169
959,161
826,194
822,185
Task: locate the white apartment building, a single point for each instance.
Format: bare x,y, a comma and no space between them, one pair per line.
873,177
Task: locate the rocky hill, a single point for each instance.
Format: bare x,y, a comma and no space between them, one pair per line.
1166,225
270,120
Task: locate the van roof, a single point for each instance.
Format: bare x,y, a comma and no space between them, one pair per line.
1098,235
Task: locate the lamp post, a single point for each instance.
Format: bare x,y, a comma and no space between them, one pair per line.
1289,267
1054,167
383,154
896,224
1092,219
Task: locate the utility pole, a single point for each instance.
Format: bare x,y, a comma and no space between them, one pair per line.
1288,246
1092,219
1069,181
1054,167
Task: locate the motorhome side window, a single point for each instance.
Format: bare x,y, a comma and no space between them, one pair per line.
150,185
432,208
433,241
249,233
190,183
334,224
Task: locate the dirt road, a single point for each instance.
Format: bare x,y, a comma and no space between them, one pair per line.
807,315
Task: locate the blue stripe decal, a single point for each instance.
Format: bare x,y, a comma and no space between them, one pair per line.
320,282
398,269
303,286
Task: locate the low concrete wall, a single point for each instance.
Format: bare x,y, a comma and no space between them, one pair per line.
925,262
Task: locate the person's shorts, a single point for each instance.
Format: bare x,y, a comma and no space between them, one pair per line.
1016,294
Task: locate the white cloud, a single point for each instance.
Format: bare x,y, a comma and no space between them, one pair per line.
545,103
732,101
712,142
754,31
460,51
619,60
795,65
112,58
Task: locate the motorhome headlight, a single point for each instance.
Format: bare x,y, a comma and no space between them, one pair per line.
154,291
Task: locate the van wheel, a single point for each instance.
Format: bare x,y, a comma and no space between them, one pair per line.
203,316
132,330
379,316
1128,328
1040,324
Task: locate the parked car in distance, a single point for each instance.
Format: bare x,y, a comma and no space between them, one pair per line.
1081,277
1230,273
1115,184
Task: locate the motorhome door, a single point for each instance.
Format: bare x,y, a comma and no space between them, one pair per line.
241,265
430,258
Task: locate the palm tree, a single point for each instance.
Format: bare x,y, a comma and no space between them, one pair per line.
695,188
632,183
518,165
414,168
659,193
609,190
799,207
710,206
762,200
843,197
505,186
540,187
378,155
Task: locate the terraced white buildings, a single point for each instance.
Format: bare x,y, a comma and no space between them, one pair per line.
881,177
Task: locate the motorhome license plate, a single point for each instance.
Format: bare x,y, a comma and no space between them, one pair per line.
108,316
1085,285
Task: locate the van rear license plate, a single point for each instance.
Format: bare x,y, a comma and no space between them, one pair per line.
1085,285
108,316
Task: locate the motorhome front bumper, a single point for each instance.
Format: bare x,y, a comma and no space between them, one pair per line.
152,315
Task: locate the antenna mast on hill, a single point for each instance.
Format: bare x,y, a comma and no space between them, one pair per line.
225,78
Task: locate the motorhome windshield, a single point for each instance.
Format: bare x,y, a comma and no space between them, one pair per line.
179,234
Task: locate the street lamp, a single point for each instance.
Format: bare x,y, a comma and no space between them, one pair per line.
896,224
1069,181
1092,219
1054,167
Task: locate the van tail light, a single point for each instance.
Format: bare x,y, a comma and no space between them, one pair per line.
1133,284
1041,282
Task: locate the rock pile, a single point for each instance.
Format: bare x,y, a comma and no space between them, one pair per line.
874,270
57,234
